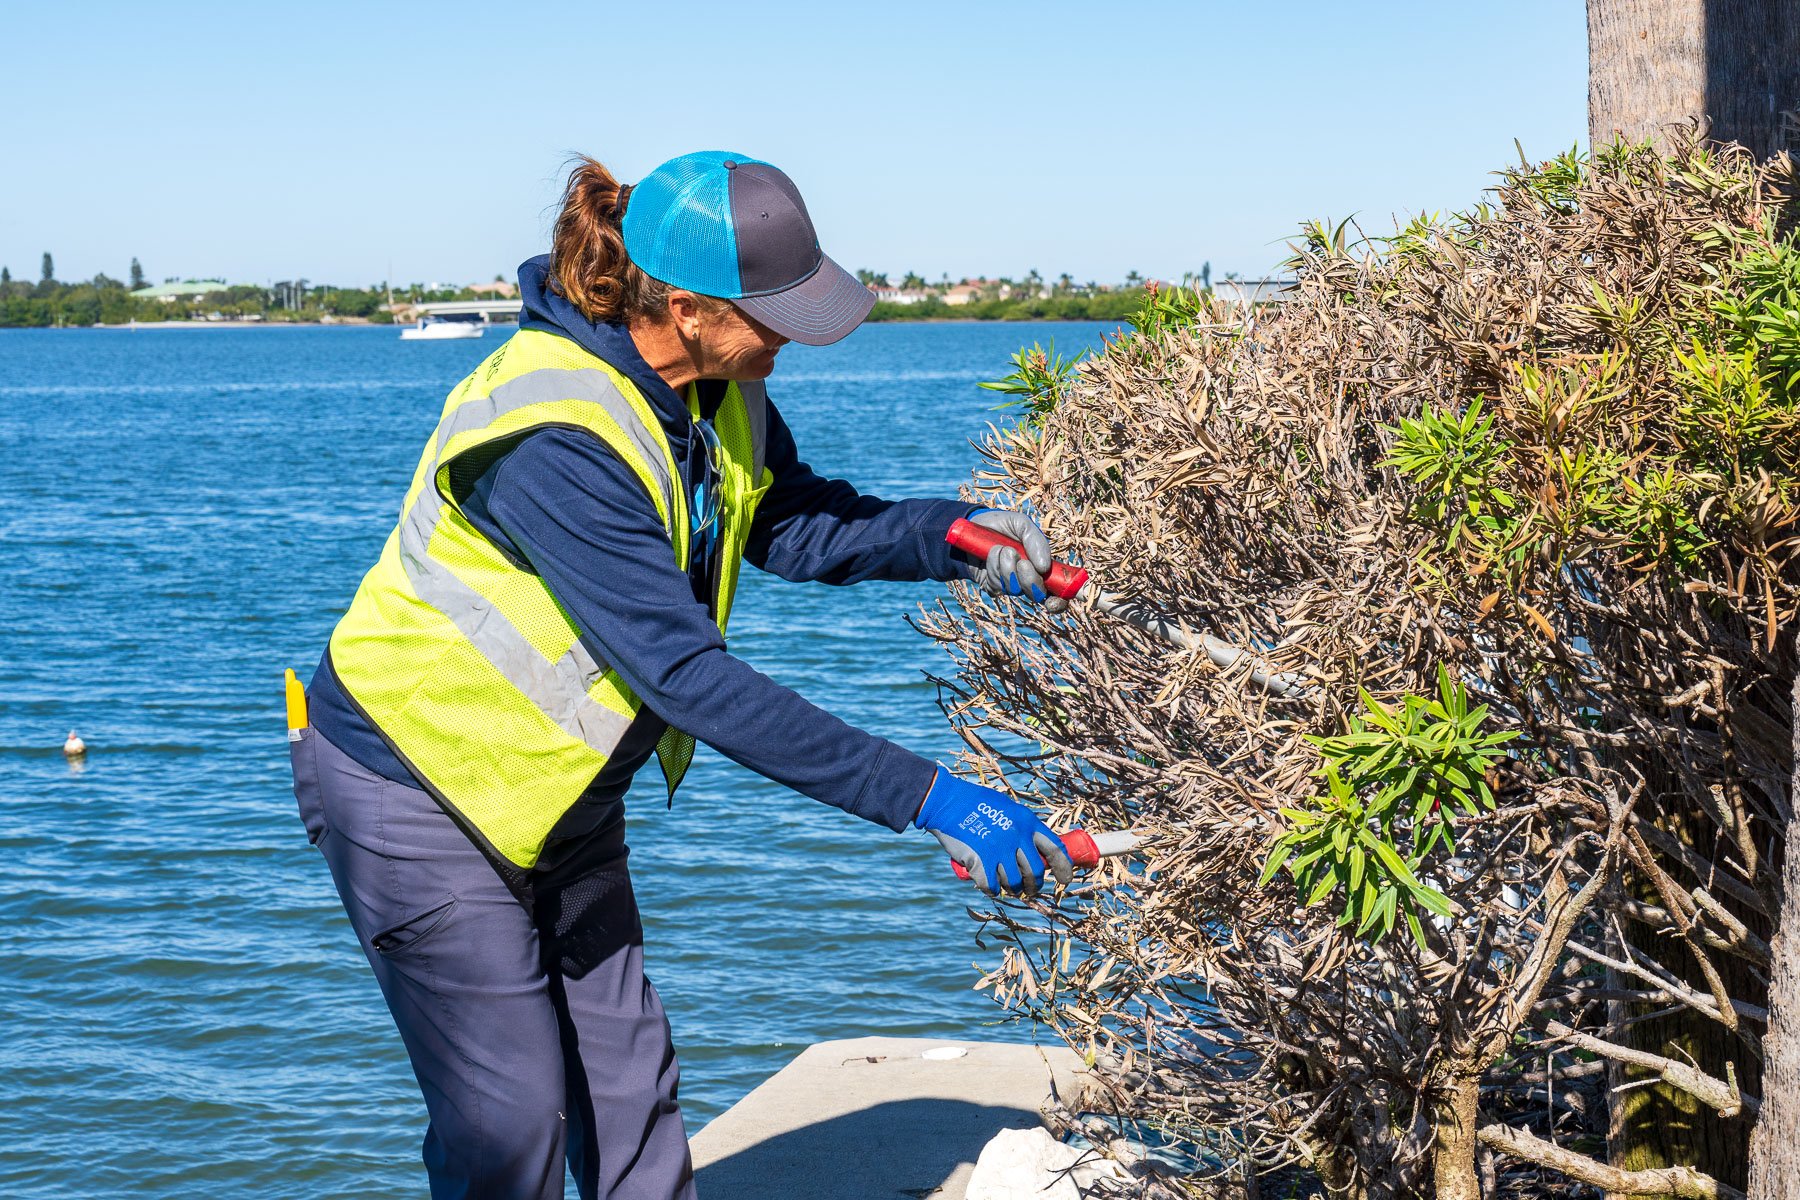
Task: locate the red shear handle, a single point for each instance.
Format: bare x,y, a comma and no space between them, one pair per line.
978,540
1078,842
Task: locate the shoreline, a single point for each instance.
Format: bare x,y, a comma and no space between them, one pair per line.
346,324
994,320
133,326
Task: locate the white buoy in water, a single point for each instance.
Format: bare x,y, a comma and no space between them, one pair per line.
74,747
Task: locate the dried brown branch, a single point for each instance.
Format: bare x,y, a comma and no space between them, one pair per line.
1668,1181
1720,1095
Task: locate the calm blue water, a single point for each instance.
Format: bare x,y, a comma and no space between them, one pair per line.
183,1009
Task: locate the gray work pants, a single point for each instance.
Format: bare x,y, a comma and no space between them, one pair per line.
534,1035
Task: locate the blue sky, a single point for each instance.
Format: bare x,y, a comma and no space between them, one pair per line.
328,140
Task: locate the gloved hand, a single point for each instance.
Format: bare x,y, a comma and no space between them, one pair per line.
1006,573
1001,844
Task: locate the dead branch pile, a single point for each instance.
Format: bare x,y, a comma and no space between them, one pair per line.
1546,446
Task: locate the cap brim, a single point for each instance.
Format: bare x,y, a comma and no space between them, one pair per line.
818,312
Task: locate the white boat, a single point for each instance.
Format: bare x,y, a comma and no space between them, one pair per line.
434,329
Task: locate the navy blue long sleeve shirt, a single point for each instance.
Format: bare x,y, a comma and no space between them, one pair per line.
561,501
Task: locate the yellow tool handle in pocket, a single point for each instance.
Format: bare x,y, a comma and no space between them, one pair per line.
296,705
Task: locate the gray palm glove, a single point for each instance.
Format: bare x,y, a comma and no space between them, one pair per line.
1008,573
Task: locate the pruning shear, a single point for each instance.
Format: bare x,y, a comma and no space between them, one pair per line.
1085,849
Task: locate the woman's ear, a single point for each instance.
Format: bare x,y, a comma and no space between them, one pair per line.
684,310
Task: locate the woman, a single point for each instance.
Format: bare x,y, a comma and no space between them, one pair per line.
549,612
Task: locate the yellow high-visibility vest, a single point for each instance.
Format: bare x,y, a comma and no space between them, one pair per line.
462,659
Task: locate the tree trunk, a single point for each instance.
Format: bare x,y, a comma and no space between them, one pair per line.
1454,1109
1775,1142
1753,73
1734,64
1646,66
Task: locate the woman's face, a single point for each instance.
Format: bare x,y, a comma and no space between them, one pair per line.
734,346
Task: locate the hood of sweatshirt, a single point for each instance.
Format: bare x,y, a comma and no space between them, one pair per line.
549,312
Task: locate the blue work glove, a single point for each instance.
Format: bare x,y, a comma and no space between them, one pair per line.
1008,573
999,842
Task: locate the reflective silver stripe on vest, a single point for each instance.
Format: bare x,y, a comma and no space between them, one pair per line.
756,408
559,689
549,385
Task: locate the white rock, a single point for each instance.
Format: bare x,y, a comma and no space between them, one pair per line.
1029,1164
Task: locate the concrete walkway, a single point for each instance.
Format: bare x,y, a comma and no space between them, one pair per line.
873,1119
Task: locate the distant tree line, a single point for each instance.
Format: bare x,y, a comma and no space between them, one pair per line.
104,300
1074,306
1031,298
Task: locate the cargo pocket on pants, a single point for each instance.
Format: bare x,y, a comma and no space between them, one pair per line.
408,934
303,756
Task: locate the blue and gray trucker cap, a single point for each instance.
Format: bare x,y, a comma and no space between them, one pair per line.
727,225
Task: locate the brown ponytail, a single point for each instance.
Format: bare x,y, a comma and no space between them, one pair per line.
587,250
588,262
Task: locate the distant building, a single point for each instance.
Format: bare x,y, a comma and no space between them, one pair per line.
500,288
169,293
894,295
962,293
